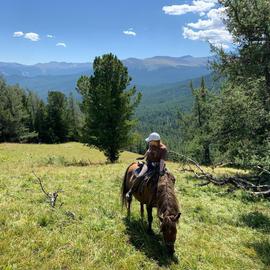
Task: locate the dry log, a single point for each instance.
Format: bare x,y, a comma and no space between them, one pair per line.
243,182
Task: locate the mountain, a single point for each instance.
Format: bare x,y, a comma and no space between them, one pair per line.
44,69
165,69
63,68
163,81
42,84
62,76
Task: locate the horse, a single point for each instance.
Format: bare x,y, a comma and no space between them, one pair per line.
160,194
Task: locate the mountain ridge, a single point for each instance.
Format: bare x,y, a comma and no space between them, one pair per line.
62,68
62,76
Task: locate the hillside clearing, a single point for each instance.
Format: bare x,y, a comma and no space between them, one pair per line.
217,230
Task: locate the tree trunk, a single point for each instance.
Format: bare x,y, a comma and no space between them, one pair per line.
206,154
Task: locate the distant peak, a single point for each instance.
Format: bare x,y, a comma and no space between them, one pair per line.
187,56
131,59
160,57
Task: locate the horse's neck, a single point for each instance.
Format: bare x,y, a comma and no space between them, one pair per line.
167,202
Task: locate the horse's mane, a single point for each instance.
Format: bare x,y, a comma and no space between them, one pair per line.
167,203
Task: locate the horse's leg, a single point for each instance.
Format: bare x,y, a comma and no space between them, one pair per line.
150,218
129,200
142,211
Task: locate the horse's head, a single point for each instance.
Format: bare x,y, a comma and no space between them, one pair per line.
169,230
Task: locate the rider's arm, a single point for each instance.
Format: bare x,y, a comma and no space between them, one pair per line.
162,161
146,153
144,156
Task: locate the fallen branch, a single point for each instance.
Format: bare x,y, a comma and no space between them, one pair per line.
238,181
52,197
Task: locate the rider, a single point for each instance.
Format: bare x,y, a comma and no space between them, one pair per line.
155,156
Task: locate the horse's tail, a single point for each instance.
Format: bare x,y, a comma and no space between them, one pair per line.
124,188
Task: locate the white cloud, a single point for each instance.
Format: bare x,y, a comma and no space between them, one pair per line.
211,29
50,36
129,32
61,44
18,34
214,36
32,36
215,17
197,6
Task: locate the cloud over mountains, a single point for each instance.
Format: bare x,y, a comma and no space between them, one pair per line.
209,27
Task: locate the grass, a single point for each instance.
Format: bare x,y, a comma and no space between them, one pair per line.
217,230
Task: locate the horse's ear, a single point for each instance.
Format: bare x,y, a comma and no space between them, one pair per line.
160,218
177,217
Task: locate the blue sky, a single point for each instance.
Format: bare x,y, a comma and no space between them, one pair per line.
83,29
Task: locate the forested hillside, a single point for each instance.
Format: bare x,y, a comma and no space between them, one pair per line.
158,111
161,105
160,101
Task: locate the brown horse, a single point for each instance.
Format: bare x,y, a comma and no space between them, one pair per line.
155,194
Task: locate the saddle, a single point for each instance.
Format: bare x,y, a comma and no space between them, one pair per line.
150,177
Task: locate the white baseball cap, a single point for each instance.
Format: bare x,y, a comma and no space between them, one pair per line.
153,137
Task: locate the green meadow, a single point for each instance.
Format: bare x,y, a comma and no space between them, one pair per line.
88,228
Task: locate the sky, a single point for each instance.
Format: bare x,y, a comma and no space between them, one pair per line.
39,31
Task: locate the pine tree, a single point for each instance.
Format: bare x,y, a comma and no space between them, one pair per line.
41,125
31,104
57,117
74,119
249,23
243,111
12,113
108,106
195,126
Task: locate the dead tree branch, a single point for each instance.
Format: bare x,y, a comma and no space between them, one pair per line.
243,182
52,197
